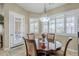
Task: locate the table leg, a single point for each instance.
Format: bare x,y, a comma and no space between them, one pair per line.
55,45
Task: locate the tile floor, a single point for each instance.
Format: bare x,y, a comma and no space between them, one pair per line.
20,51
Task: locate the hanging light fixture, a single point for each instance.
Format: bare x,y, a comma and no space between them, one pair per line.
45,18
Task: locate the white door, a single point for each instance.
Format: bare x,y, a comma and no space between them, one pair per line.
16,29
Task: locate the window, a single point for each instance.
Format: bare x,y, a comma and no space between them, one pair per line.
44,27
60,25
52,26
70,25
33,26
36,27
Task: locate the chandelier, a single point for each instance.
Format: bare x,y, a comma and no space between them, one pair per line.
45,18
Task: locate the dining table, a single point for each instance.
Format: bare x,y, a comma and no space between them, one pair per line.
49,46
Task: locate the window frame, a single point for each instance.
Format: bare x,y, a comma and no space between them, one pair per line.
75,24
43,27
34,20
61,17
51,23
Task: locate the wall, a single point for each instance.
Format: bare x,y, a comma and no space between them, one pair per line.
67,7
15,8
63,39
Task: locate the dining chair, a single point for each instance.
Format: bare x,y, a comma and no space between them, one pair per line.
63,53
30,47
50,37
31,36
26,46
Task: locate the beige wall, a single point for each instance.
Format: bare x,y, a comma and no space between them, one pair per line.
17,9
67,7
63,40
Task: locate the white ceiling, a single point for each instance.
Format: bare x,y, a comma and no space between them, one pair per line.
39,7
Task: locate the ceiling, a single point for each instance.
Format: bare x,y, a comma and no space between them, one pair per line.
39,7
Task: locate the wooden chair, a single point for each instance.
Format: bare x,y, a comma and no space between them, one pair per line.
26,46
30,47
63,53
31,36
50,37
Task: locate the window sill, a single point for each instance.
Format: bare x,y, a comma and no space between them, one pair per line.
67,35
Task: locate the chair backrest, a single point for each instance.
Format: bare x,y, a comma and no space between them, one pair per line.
26,46
30,47
43,35
31,36
69,40
51,37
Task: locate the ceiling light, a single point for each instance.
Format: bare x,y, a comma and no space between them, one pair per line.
45,18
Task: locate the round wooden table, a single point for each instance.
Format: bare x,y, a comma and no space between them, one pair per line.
50,46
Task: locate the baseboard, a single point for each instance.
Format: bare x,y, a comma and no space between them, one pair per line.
70,49
6,49
16,46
